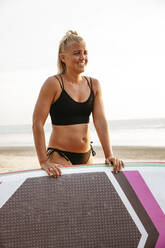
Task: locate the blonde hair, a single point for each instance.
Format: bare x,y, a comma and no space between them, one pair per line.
70,36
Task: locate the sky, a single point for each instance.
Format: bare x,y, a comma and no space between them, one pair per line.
125,41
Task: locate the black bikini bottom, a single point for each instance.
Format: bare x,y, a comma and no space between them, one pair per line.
73,157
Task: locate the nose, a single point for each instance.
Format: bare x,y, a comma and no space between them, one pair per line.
82,56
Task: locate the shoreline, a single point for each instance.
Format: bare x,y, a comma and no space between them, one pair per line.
124,152
22,158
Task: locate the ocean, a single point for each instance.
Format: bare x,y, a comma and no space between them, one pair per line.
141,132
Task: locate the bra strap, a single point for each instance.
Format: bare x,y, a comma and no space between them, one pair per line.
61,83
89,83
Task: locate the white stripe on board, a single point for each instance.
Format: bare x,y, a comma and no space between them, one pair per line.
130,209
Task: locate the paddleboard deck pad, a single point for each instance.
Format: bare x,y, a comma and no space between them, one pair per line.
88,206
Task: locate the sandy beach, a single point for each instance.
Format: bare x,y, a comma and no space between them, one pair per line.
23,158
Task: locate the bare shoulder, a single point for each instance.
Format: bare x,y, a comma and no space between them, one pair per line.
51,83
50,89
95,85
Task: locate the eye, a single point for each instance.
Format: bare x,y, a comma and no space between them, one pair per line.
77,53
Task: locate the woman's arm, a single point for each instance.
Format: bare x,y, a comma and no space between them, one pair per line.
40,114
102,128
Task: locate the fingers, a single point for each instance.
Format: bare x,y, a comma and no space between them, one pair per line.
53,170
117,164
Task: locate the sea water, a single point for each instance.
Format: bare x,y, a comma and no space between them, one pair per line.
141,132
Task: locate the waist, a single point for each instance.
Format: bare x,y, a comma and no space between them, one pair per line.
72,138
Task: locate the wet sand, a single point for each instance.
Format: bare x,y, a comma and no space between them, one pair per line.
23,158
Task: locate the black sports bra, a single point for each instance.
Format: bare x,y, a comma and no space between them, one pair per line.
66,111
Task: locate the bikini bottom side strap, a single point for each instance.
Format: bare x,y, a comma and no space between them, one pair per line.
93,151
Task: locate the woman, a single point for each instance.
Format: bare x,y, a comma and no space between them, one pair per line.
70,98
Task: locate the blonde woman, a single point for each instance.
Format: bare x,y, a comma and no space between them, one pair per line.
70,98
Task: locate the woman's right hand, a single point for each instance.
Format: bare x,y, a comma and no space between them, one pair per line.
51,168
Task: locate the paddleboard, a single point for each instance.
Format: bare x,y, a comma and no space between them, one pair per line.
88,206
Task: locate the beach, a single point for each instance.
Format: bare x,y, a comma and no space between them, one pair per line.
25,158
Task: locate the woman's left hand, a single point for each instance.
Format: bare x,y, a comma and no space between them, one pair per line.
117,163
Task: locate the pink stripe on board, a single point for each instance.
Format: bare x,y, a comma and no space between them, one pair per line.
147,199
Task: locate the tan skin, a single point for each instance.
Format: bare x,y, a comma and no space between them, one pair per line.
72,138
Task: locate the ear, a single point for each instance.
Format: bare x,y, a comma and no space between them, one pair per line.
62,57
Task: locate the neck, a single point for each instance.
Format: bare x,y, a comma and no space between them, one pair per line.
73,77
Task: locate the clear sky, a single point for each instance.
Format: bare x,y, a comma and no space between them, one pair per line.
125,41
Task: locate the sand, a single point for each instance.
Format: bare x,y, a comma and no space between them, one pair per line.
24,158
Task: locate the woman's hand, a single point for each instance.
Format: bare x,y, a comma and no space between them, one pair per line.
51,168
117,163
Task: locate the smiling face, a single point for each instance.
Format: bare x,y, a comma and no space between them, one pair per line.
75,56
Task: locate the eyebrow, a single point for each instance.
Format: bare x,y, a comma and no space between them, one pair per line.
79,50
